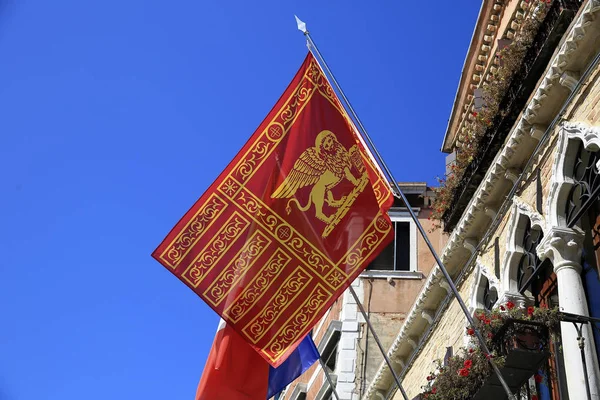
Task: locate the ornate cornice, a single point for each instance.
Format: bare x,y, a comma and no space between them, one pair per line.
568,51
481,62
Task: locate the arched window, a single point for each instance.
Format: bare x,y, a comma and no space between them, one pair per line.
529,265
490,295
585,176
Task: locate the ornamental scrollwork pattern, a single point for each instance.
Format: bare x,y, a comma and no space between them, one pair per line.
215,250
196,227
285,295
239,265
297,325
259,286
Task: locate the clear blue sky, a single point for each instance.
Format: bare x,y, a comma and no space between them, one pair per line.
115,116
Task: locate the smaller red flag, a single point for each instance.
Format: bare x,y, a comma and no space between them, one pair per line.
233,370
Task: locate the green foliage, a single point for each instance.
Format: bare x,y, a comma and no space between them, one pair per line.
465,373
509,60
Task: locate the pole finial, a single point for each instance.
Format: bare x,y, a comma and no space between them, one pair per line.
301,25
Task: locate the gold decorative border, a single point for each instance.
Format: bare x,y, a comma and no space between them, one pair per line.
277,129
193,231
279,302
295,326
258,287
214,251
285,234
237,267
367,243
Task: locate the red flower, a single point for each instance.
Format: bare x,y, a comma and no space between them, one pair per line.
490,335
463,372
489,356
471,331
433,390
429,378
534,397
530,310
538,378
502,308
468,363
471,351
510,305
487,321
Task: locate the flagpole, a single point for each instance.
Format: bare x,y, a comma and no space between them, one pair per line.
328,377
363,131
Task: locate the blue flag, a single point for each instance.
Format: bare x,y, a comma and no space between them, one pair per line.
295,365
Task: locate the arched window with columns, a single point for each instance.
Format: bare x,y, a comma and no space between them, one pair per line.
484,294
570,243
523,272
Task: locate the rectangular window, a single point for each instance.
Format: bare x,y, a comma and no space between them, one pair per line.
400,254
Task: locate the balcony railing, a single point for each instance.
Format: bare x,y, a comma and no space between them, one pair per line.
551,30
525,346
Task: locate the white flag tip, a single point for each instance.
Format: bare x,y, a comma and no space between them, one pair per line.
301,25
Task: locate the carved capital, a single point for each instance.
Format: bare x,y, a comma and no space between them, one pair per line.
516,298
563,246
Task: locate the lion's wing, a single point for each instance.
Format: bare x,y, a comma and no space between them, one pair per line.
307,171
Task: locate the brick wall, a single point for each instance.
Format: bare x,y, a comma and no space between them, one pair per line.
450,331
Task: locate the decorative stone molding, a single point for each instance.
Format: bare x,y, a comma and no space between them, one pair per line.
491,212
476,292
412,342
569,48
428,316
569,79
521,212
516,298
537,131
569,137
512,175
446,286
400,361
470,244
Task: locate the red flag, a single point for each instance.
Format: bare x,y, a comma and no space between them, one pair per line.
233,371
294,218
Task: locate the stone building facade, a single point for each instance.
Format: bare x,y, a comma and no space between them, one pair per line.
524,226
387,289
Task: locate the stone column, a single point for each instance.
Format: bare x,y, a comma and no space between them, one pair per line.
564,248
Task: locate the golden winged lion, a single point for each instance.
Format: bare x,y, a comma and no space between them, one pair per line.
322,166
